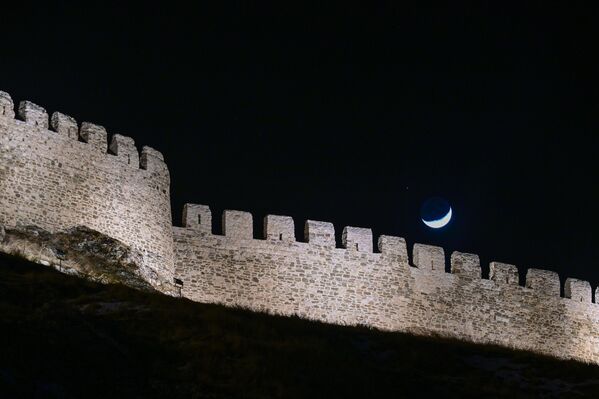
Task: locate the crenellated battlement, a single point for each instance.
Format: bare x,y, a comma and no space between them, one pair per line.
57,174
429,259
96,136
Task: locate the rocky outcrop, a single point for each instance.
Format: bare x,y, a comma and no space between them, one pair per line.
80,251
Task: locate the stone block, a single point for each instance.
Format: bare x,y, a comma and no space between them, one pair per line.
357,238
503,273
543,281
197,217
238,224
465,264
7,107
395,246
319,233
279,228
429,257
94,135
124,148
153,160
578,290
65,125
33,114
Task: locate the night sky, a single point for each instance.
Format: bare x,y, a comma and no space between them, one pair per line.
348,115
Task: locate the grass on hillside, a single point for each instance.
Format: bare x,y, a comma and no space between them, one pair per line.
63,337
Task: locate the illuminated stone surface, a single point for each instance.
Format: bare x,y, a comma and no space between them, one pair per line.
50,179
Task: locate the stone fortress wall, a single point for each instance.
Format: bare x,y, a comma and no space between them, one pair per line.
354,285
55,174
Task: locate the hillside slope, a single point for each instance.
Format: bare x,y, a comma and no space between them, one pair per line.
64,337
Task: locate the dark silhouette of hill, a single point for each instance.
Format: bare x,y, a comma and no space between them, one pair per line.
65,337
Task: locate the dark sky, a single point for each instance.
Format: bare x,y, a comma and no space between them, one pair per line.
348,115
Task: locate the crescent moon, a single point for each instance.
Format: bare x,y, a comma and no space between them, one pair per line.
437,224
